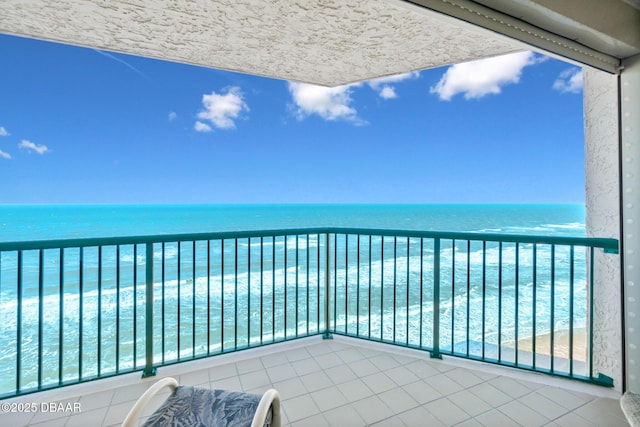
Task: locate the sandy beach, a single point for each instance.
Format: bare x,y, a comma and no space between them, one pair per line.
560,344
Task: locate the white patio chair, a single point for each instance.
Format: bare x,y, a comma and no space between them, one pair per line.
630,404
188,406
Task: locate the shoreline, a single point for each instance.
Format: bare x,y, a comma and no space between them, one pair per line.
560,344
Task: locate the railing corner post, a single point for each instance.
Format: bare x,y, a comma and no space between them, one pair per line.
327,335
149,369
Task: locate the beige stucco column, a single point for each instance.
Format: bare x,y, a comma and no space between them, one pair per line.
603,217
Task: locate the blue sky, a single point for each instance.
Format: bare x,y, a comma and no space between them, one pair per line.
83,126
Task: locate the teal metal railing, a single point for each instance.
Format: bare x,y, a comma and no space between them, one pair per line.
82,309
517,300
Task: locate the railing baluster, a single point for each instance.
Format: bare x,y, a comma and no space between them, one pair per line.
308,284
517,303
81,313
193,299
436,299
335,281
346,283
421,285
164,299
285,286
406,336
149,369
484,296
297,283
273,289
135,305
249,292
500,301
395,268
235,296
41,314
318,302
370,286
468,295
117,319
61,319
534,312
19,324
261,289
179,301
591,311
358,286
209,296
453,293
552,297
99,314
381,288
571,298
222,325
327,288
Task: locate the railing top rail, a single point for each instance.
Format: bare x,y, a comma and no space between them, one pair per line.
607,244
158,238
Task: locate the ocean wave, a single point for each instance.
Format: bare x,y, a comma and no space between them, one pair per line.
570,225
403,325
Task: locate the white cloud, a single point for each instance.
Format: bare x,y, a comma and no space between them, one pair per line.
330,103
388,92
384,87
476,79
335,103
569,81
30,146
172,116
5,155
202,127
222,109
4,132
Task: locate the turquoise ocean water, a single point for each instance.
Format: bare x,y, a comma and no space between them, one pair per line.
42,222
37,222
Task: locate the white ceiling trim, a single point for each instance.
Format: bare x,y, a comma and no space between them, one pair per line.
517,29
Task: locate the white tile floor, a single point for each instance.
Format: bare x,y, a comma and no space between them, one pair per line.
345,382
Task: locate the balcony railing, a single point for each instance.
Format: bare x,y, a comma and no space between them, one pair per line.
82,309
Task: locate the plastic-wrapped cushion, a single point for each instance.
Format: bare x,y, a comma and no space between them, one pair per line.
197,407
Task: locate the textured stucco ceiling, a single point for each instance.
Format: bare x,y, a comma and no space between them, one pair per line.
326,42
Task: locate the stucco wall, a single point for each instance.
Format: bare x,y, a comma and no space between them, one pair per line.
603,217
